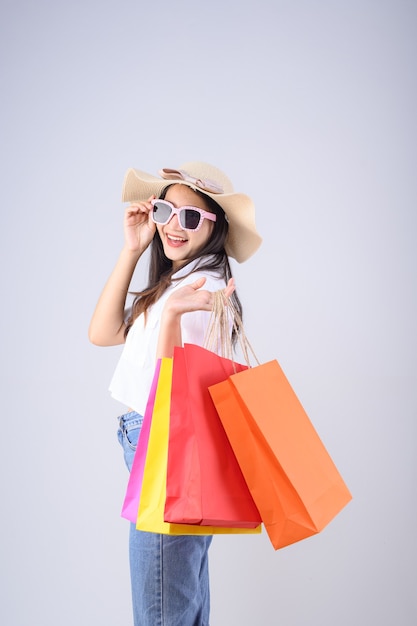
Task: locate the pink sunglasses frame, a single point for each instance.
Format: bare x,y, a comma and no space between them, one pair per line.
174,211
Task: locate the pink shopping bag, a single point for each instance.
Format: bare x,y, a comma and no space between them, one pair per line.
134,486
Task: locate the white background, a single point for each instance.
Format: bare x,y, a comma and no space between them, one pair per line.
310,108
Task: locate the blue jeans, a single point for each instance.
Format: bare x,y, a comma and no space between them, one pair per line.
169,574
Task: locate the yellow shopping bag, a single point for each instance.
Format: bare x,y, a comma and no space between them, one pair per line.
152,499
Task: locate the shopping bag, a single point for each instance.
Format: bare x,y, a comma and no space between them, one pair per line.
153,494
294,482
134,486
204,484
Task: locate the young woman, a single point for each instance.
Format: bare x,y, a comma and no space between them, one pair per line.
192,220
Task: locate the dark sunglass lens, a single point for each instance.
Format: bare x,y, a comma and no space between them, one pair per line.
190,219
161,212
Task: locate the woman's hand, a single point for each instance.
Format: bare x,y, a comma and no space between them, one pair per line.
193,298
184,300
139,228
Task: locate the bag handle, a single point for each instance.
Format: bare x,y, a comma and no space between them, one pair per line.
224,317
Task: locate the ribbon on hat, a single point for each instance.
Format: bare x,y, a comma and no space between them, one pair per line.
202,183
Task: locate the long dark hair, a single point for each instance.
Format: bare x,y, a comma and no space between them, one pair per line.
212,258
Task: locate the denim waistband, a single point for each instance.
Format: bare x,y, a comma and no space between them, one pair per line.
130,420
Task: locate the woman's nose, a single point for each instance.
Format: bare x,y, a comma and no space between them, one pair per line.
174,222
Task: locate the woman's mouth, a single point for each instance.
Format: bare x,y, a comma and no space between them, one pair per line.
175,241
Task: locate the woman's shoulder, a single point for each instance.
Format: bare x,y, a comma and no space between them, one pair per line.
214,280
198,269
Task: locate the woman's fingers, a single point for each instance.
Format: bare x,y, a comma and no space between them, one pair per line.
193,298
197,284
230,288
136,208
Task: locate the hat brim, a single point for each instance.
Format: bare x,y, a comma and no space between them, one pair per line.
243,239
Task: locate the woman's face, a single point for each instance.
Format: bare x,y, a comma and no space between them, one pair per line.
179,245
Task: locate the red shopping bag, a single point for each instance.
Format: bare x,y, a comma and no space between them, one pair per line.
205,484
294,482
150,517
134,486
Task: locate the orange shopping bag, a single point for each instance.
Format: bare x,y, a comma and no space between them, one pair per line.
294,482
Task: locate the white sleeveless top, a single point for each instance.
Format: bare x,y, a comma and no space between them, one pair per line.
132,378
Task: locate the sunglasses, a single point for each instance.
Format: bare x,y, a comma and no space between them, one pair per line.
189,217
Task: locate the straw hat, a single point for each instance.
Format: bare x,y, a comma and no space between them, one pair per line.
243,239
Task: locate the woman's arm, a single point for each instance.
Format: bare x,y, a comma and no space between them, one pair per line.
107,326
184,300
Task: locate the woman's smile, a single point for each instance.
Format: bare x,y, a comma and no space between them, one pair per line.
175,240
